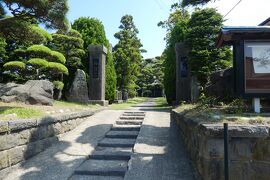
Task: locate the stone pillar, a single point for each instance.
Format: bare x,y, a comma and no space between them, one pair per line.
182,74
97,62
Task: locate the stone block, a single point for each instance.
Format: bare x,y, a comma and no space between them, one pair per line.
18,125
57,128
241,149
212,148
3,159
3,127
16,154
46,121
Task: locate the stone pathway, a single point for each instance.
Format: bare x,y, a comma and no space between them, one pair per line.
141,143
111,156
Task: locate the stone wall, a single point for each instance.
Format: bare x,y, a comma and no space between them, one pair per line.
22,139
249,149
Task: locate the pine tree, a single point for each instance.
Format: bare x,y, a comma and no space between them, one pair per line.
127,55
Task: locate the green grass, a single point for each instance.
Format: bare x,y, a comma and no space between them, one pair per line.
21,113
74,104
129,103
204,114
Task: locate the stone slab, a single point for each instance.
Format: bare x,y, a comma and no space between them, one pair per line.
129,122
126,127
17,125
122,134
111,142
131,117
3,126
85,177
109,153
102,168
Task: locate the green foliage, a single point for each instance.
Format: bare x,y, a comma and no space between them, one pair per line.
151,76
24,13
57,68
93,33
110,79
127,55
194,2
205,58
2,55
70,44
57,57
176,26
58,85
39,51
38,62
14,65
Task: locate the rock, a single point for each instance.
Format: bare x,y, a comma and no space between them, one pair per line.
78,91
32,92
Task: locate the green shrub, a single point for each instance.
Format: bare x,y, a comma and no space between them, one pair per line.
38,62
57,68
39,51
14,65
57,57
58,85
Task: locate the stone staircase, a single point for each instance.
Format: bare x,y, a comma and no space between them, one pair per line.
111,156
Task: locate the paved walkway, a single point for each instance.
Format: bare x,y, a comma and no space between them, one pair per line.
158,151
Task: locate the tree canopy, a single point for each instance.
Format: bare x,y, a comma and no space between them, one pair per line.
195,2
176,26
127,55
204,57
26,13
93,33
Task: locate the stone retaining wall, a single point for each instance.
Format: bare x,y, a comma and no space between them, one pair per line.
249,149
22,139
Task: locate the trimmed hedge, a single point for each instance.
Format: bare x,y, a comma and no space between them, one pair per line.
38,62
14,65
57,57
57,68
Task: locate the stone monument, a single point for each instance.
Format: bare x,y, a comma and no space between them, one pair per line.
78,91
97,62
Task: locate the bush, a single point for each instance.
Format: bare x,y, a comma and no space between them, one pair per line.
14,65
38,62
58,85
39,51
57,57
57,68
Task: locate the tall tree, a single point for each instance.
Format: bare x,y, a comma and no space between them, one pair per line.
93,33
176,26
127,55
204,57
24,13
70,44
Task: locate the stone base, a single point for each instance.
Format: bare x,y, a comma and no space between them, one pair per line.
118,101
99,102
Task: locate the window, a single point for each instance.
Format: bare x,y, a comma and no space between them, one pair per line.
257,67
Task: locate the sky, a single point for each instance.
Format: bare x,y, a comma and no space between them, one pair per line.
147,13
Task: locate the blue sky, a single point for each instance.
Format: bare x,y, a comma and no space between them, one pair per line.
147,13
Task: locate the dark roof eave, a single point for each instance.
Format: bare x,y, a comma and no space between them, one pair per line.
227,34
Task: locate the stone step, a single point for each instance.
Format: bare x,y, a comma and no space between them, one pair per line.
132,112
129,122
126,127
112,142
102,168
89,177
131,118
122,134
109,153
